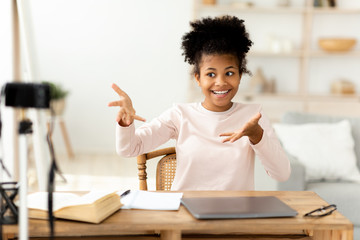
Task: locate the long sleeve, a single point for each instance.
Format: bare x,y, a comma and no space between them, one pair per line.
204,162
271,154
131,142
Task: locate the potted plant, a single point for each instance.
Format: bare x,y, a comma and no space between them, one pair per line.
57,97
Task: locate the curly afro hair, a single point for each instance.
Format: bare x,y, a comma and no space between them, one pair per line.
219,35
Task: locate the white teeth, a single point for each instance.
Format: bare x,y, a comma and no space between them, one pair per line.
220,92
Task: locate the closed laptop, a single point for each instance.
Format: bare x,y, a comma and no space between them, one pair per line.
237,207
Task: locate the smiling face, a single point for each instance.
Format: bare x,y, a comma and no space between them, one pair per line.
219,79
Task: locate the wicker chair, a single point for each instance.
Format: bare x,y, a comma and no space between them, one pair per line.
165,171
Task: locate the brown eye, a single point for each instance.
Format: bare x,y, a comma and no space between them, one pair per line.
230,73
210,75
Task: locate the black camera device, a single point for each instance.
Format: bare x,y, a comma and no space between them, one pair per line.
27,95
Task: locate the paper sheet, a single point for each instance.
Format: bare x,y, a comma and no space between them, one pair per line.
138,199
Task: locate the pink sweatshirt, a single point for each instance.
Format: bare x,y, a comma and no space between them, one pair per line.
203,161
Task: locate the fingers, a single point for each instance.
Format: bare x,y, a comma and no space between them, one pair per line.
232,137
126,114
118,90
256,118
124,98
226,140
128,119
120,115
229,135
136,117
246,130
226,134
125,118
115,104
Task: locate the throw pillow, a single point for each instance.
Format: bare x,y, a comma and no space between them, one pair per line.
325,149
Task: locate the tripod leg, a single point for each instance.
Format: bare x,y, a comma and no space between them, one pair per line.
66,138
23,211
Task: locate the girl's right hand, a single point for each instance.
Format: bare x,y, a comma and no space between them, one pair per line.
126,114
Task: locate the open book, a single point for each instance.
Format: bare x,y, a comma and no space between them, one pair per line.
92,207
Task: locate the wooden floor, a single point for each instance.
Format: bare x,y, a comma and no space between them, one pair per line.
88,171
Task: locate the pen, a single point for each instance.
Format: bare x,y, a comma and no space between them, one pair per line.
125,193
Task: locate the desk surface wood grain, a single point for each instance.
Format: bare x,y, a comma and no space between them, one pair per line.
172,224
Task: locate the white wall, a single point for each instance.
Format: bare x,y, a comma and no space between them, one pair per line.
7,150
88,44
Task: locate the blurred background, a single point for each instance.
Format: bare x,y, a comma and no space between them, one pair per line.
84,46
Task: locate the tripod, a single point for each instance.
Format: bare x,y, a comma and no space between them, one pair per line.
25,127
25,95
7,201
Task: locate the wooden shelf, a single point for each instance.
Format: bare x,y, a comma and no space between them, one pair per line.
334,97
329,10
235,8
334,54
299,53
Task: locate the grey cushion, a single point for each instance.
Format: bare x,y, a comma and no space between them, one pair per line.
301,118
356,232
296,181
346,195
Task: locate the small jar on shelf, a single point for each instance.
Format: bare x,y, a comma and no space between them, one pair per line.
209,2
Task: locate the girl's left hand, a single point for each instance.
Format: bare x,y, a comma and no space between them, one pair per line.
251,129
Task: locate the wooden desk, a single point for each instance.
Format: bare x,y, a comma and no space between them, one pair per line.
175,224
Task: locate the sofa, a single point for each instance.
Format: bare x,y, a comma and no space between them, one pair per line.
345,194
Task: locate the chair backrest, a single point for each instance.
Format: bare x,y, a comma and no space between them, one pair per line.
165,171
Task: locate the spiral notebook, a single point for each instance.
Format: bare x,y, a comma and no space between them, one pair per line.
237,207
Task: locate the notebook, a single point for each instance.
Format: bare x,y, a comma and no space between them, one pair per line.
237,207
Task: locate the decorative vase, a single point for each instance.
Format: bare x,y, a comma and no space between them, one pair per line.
258,82
58,105
209,2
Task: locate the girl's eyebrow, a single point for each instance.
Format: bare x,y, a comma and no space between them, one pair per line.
211,68
230,67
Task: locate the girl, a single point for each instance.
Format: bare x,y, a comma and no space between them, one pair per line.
217,139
